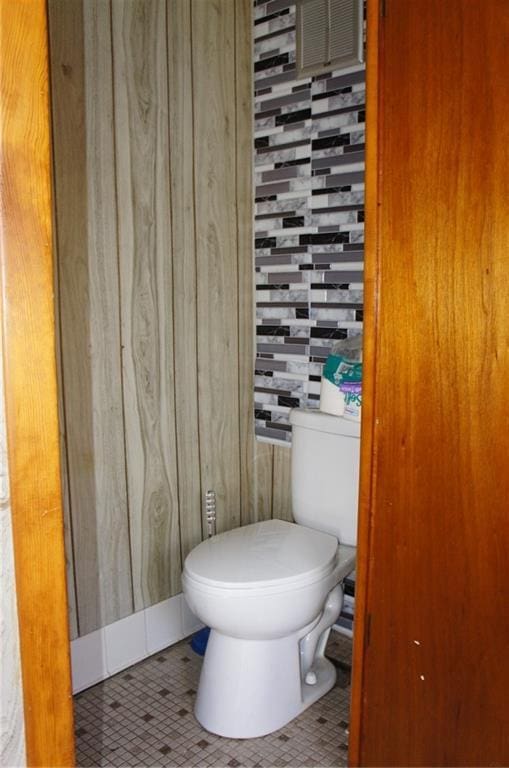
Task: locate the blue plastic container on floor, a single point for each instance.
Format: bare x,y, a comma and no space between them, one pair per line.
199,641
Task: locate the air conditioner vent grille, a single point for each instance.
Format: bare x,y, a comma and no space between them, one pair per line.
329,35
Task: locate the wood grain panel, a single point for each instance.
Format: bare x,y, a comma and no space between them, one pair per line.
30,383
176,150
142,168
435,679
180,86
66,501
281,484
263,480
90,337
245,214
70,274
213,32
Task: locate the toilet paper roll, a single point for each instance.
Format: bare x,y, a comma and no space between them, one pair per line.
332,399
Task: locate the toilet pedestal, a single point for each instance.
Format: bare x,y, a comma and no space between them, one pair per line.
250,688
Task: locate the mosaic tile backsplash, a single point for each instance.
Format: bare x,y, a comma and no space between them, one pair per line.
309,218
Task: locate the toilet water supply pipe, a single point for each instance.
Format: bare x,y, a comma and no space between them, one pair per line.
313,644
210,512
200,639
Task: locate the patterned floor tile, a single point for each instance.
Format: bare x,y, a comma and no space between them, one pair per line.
144,718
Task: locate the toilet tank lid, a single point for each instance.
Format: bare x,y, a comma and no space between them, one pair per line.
312,418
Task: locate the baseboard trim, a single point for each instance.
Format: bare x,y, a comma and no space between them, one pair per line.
103,653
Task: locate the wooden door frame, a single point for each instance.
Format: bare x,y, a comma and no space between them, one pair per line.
368,458
28,337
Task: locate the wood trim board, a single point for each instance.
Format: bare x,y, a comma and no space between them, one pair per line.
30,384
371,292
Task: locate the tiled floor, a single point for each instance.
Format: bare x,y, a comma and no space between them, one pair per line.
144,717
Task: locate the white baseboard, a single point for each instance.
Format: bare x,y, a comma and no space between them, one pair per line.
109,650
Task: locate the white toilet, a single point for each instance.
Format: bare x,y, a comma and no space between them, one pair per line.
272,590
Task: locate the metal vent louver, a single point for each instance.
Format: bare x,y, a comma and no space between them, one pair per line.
329,35
313,34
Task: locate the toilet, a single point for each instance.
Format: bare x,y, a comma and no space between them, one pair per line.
271,591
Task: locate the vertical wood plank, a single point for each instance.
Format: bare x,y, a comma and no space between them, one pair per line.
281,489
213,32
142,168
263,481
100,521
28,338
180,86
244,206
70,205
256,458
66,501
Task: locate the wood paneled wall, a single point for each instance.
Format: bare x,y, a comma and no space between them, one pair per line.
153,209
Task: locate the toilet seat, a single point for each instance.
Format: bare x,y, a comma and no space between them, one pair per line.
267,556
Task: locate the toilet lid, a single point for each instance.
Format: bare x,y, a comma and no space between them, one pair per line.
258,555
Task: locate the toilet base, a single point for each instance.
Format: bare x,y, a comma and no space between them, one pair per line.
250,688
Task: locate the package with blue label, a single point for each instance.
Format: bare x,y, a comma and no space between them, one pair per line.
352,392
344,364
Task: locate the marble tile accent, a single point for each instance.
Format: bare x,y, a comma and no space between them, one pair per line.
309,217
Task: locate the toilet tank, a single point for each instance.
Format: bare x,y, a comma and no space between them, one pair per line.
325,473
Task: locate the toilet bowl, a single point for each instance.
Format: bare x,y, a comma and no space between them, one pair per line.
271,591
